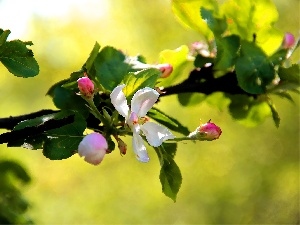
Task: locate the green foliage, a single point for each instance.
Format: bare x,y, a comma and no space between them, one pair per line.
138,80
13,205
16,57
178,58
228,48
188,14
170,176
110,67
62,143
243,63
253,69
168,121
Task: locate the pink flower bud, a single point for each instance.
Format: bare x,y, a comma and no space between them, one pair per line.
288,40
93,148
86,87
206,132
166,69
211,131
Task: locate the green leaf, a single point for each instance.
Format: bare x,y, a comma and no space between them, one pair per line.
248,17
218,99
170,149
170,176
178,58
3,36
275,114
62,143
138,80
18,59
188,13
110,67
285,95
69,100
39,124
227,48
248,111
290,74
200,60
216,25
16,169
90,61
279,56
289,80
42,119
32,142
190,99
167,121
253,69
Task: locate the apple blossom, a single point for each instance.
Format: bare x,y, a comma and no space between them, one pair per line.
142,101
93,148
86,87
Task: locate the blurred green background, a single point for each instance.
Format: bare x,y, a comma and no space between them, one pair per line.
248,176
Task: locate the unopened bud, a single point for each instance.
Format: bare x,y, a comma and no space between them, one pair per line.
93,148
122,146
86,87
288,40
206,132
166,69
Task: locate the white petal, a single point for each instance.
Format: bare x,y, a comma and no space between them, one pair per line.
143,100
139,148
119,101
155,133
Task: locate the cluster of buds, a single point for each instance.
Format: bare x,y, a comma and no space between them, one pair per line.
206,132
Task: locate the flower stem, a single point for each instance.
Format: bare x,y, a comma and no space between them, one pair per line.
96,112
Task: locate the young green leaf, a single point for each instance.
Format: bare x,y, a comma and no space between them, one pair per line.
253,69
248,17
3,36
90,61
138,80
170,176
227,52
188,14
18,59
110,67
216,25
178,58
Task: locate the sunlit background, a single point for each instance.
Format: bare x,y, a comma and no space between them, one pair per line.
249,175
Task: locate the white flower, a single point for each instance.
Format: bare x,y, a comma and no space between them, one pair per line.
142,101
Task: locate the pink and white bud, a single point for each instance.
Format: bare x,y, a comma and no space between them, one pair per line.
166,69
93,148
288,40
86,87
206,132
